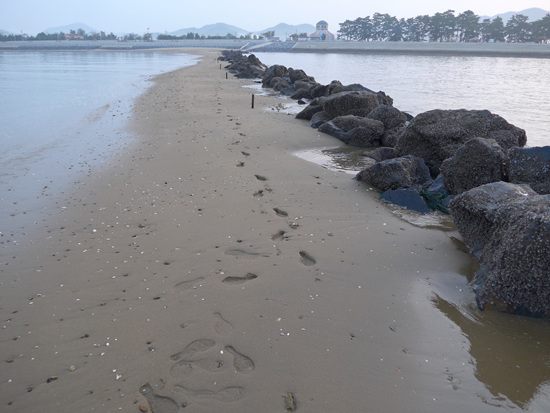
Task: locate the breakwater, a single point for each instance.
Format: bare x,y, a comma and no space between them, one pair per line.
349,47
427,48
128,45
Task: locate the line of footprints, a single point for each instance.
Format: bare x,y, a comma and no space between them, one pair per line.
193,368
195,365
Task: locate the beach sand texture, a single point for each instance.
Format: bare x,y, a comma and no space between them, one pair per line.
209,267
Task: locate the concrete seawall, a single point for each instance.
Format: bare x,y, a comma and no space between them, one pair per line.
129,45
417,48
457,49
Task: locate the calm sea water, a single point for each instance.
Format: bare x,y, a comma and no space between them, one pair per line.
63,114
515,88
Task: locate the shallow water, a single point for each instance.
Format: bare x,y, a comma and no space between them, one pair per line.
514,88
64,115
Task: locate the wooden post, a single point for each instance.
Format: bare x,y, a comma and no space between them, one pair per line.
253,101
226,75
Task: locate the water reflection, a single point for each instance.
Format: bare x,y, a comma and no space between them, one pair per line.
351,160
341,158
511,354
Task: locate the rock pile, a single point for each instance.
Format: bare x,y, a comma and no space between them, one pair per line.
507,228
470,163
246,67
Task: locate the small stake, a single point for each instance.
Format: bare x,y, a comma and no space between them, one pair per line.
226,75
253,101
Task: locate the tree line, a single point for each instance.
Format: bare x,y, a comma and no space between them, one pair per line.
196,36
446,27
79,34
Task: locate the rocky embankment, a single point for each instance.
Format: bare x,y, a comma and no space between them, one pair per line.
471,163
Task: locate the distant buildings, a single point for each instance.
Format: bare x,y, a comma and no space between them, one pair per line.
321,32
74,36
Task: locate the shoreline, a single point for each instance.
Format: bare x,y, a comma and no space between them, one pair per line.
210,267
527,50
428,48
53,161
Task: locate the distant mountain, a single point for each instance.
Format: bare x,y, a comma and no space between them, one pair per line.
69,27
218,29
534,14
283,30
5,32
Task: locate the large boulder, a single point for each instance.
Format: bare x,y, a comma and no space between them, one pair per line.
296,75
391,135
437,134
337,87
282,85
319,91
354,130
408,198
391,117
363,137
314,106
331,129
530,166
273,71
359,103
247,67
507,227
349,122
303,88
404,172
299,94
381,154
318,119
479,161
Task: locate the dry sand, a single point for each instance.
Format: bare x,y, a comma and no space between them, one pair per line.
209,267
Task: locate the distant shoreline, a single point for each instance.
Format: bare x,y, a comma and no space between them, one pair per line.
530,50
427,48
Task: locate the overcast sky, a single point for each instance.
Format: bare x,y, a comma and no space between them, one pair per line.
119,16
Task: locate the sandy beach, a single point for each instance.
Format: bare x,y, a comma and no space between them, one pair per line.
208,269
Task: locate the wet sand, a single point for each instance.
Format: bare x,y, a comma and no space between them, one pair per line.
209,267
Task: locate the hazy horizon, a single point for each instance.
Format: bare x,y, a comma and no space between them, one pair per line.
138,16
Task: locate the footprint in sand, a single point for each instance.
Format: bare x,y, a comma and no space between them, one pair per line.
222,326
201,363
258,194
307,259
279,235
260,178
185,368
241,363
194,347
228,394
158,404
185,285
239,280
280,212
243,253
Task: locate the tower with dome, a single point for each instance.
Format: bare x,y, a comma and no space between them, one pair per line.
321,32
